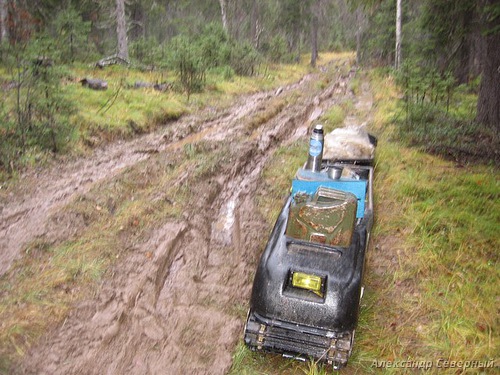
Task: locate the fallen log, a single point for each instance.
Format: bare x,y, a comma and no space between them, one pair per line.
147,85
162,86
94,84
111,60
142,85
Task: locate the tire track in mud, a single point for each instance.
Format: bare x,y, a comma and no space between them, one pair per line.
25,214
180,311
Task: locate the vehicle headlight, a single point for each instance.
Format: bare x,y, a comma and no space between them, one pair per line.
309,282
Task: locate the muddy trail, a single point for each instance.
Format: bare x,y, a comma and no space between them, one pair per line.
25,210
177,309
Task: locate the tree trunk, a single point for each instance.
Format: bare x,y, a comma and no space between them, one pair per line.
4,12
314,32
467,44
137,29
121,29
397,60
255,26
488,102
476,47
360,19
236,20
223,11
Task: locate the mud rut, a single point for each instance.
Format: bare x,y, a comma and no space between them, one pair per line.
180,311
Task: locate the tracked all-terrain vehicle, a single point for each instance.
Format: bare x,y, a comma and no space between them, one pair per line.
308,285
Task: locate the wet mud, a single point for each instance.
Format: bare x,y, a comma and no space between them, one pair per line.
181,309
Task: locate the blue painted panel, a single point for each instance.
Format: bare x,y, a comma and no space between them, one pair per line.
356,187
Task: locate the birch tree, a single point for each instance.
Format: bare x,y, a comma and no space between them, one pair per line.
223,11
121,29
314,31
4,29
397,60
360,20
255,27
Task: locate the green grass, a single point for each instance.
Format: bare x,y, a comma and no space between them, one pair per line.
121,112
333,118
272,108
437,296
449,129
276,179
100,113
442,279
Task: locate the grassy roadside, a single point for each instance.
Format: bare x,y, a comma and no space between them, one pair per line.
122,111
432,274
446,264
102,117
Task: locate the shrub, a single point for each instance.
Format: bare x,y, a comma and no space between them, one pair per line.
189,64
214,46
244,59
35,114
277,50
192,56
8,142
439,117
146,51
425,89
70,33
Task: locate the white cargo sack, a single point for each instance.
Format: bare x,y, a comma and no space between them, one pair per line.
351,142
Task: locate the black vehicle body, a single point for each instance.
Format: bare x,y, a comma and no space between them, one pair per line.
313,322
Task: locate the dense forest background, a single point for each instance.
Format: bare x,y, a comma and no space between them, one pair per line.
437,47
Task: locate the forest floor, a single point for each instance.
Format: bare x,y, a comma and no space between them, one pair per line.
168,232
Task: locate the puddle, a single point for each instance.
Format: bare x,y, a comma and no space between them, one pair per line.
223,229
316,114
